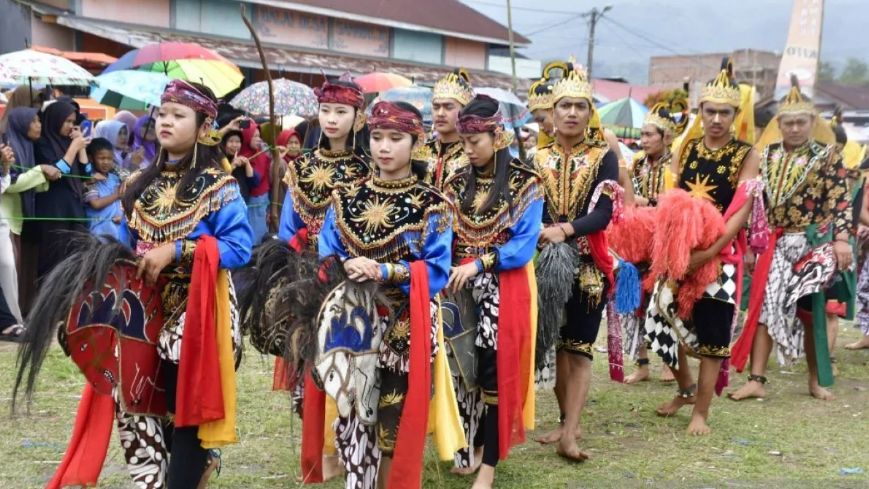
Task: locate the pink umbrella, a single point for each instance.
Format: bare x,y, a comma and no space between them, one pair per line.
381,82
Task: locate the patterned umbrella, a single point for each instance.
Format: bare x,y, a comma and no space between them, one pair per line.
129,89
32,67
185,61
291,98
513,110
380,82
625,112
419,97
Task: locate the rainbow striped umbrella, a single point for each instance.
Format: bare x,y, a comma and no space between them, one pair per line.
185,61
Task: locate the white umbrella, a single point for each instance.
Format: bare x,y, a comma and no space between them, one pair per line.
513,110
29,67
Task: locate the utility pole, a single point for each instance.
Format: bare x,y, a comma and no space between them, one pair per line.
513,67
512,45
593,16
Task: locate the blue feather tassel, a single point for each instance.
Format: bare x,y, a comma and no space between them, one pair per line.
627,288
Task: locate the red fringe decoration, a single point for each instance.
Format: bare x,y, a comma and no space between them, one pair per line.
630,238
685,224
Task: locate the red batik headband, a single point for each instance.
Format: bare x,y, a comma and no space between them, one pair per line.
181,92
475,124
387,115
331,93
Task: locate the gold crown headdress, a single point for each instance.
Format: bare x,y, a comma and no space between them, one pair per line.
540,93
455,85
660,116
722,90
574,84
795,102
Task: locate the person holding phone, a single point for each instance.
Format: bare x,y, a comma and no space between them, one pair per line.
59,209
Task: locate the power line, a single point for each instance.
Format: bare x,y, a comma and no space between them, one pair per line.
527,9
565,21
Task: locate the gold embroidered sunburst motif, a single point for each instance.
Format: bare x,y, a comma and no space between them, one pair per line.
320,177
375,215
480,199
701,189
165,201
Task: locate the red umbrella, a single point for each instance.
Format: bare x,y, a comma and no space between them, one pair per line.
173,51
381,82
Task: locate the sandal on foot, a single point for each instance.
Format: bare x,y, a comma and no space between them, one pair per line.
14,334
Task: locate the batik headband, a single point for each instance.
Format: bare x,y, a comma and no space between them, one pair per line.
387,115
331,93
181,92
477,124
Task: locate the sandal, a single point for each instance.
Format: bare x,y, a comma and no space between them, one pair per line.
13,334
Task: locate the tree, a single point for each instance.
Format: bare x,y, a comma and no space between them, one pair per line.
855,72
826,71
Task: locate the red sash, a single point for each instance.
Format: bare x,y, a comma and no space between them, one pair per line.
410,445
200,396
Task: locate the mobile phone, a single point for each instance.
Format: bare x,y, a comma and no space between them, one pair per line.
86,128
244,123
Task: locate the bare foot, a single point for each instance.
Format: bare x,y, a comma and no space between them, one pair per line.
698,426
549,438
641,374
481,485
568,449
673,406
750,389
819,392
555,435
860,344
478,460
667,374
332,467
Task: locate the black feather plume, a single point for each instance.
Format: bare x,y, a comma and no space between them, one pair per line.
83,271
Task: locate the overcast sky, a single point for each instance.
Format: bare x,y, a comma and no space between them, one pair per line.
638,29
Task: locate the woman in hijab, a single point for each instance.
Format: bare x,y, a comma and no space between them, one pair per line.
62,146
129,119
144,149
116,133
19,202
255,150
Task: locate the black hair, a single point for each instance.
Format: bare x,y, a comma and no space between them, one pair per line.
225,139
99,144
360,139
841,135
206,157
417,167
486,107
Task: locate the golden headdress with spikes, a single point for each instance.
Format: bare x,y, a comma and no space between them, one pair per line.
722,90
455,85
795,102
573,84
660,116
540,93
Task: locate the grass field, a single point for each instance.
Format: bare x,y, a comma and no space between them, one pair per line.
787,440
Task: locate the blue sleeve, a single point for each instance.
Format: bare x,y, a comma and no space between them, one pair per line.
63,166
519,250
291,222
437,253
329,243
230,227
254,180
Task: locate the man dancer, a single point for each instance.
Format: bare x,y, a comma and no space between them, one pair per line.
444,152
710,167
808,204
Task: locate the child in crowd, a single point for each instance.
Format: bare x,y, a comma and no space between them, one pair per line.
102,194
